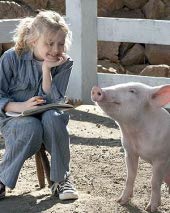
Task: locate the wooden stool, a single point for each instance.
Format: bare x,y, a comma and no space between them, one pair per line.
43,167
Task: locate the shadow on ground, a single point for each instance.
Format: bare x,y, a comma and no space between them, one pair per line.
93,118
27,203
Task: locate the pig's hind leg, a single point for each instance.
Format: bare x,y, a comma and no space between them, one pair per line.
131,161
167,181
158,170
167,176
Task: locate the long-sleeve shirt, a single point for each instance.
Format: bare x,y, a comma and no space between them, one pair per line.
21,79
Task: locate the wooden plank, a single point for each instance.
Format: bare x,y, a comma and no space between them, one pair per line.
7,27
134,30
84,47
105,79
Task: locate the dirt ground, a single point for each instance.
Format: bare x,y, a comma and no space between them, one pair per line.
98,169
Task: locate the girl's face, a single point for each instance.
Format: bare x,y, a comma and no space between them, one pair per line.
49,47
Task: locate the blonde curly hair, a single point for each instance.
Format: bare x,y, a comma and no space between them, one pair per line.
30,29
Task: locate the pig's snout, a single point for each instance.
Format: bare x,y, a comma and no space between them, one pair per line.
96,94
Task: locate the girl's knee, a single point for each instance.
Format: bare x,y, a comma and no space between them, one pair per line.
30,124
24,133
54,118
22,126
29,127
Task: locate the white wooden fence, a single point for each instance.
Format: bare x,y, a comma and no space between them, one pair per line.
87,28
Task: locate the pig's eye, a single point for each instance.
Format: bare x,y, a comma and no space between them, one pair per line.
132,91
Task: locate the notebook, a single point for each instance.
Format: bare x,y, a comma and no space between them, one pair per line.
41,108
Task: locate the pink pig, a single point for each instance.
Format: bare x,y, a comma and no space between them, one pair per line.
145,130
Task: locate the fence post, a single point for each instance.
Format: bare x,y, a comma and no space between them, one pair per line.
82,17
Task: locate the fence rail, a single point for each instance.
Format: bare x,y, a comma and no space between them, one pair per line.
87,28
134,30
7,27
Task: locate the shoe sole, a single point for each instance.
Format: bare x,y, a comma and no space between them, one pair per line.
68,196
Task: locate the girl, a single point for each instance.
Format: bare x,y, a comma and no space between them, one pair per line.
36,68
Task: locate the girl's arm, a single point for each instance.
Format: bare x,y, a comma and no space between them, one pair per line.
55,82
22,106
7,65
5,78
46,79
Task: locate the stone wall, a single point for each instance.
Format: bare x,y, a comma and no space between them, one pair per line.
131,58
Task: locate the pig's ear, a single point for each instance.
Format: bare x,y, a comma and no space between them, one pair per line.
161,95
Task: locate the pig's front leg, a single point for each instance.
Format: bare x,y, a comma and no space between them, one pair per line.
158,170
131,161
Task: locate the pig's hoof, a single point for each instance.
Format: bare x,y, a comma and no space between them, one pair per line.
123,201
151,208
125,197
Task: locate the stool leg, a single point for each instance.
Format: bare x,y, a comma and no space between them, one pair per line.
40,171
45,164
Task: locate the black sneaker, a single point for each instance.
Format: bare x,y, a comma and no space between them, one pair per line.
2,190
64,190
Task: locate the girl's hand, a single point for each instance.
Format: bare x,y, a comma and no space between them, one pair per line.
31,103
47,64
26,105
